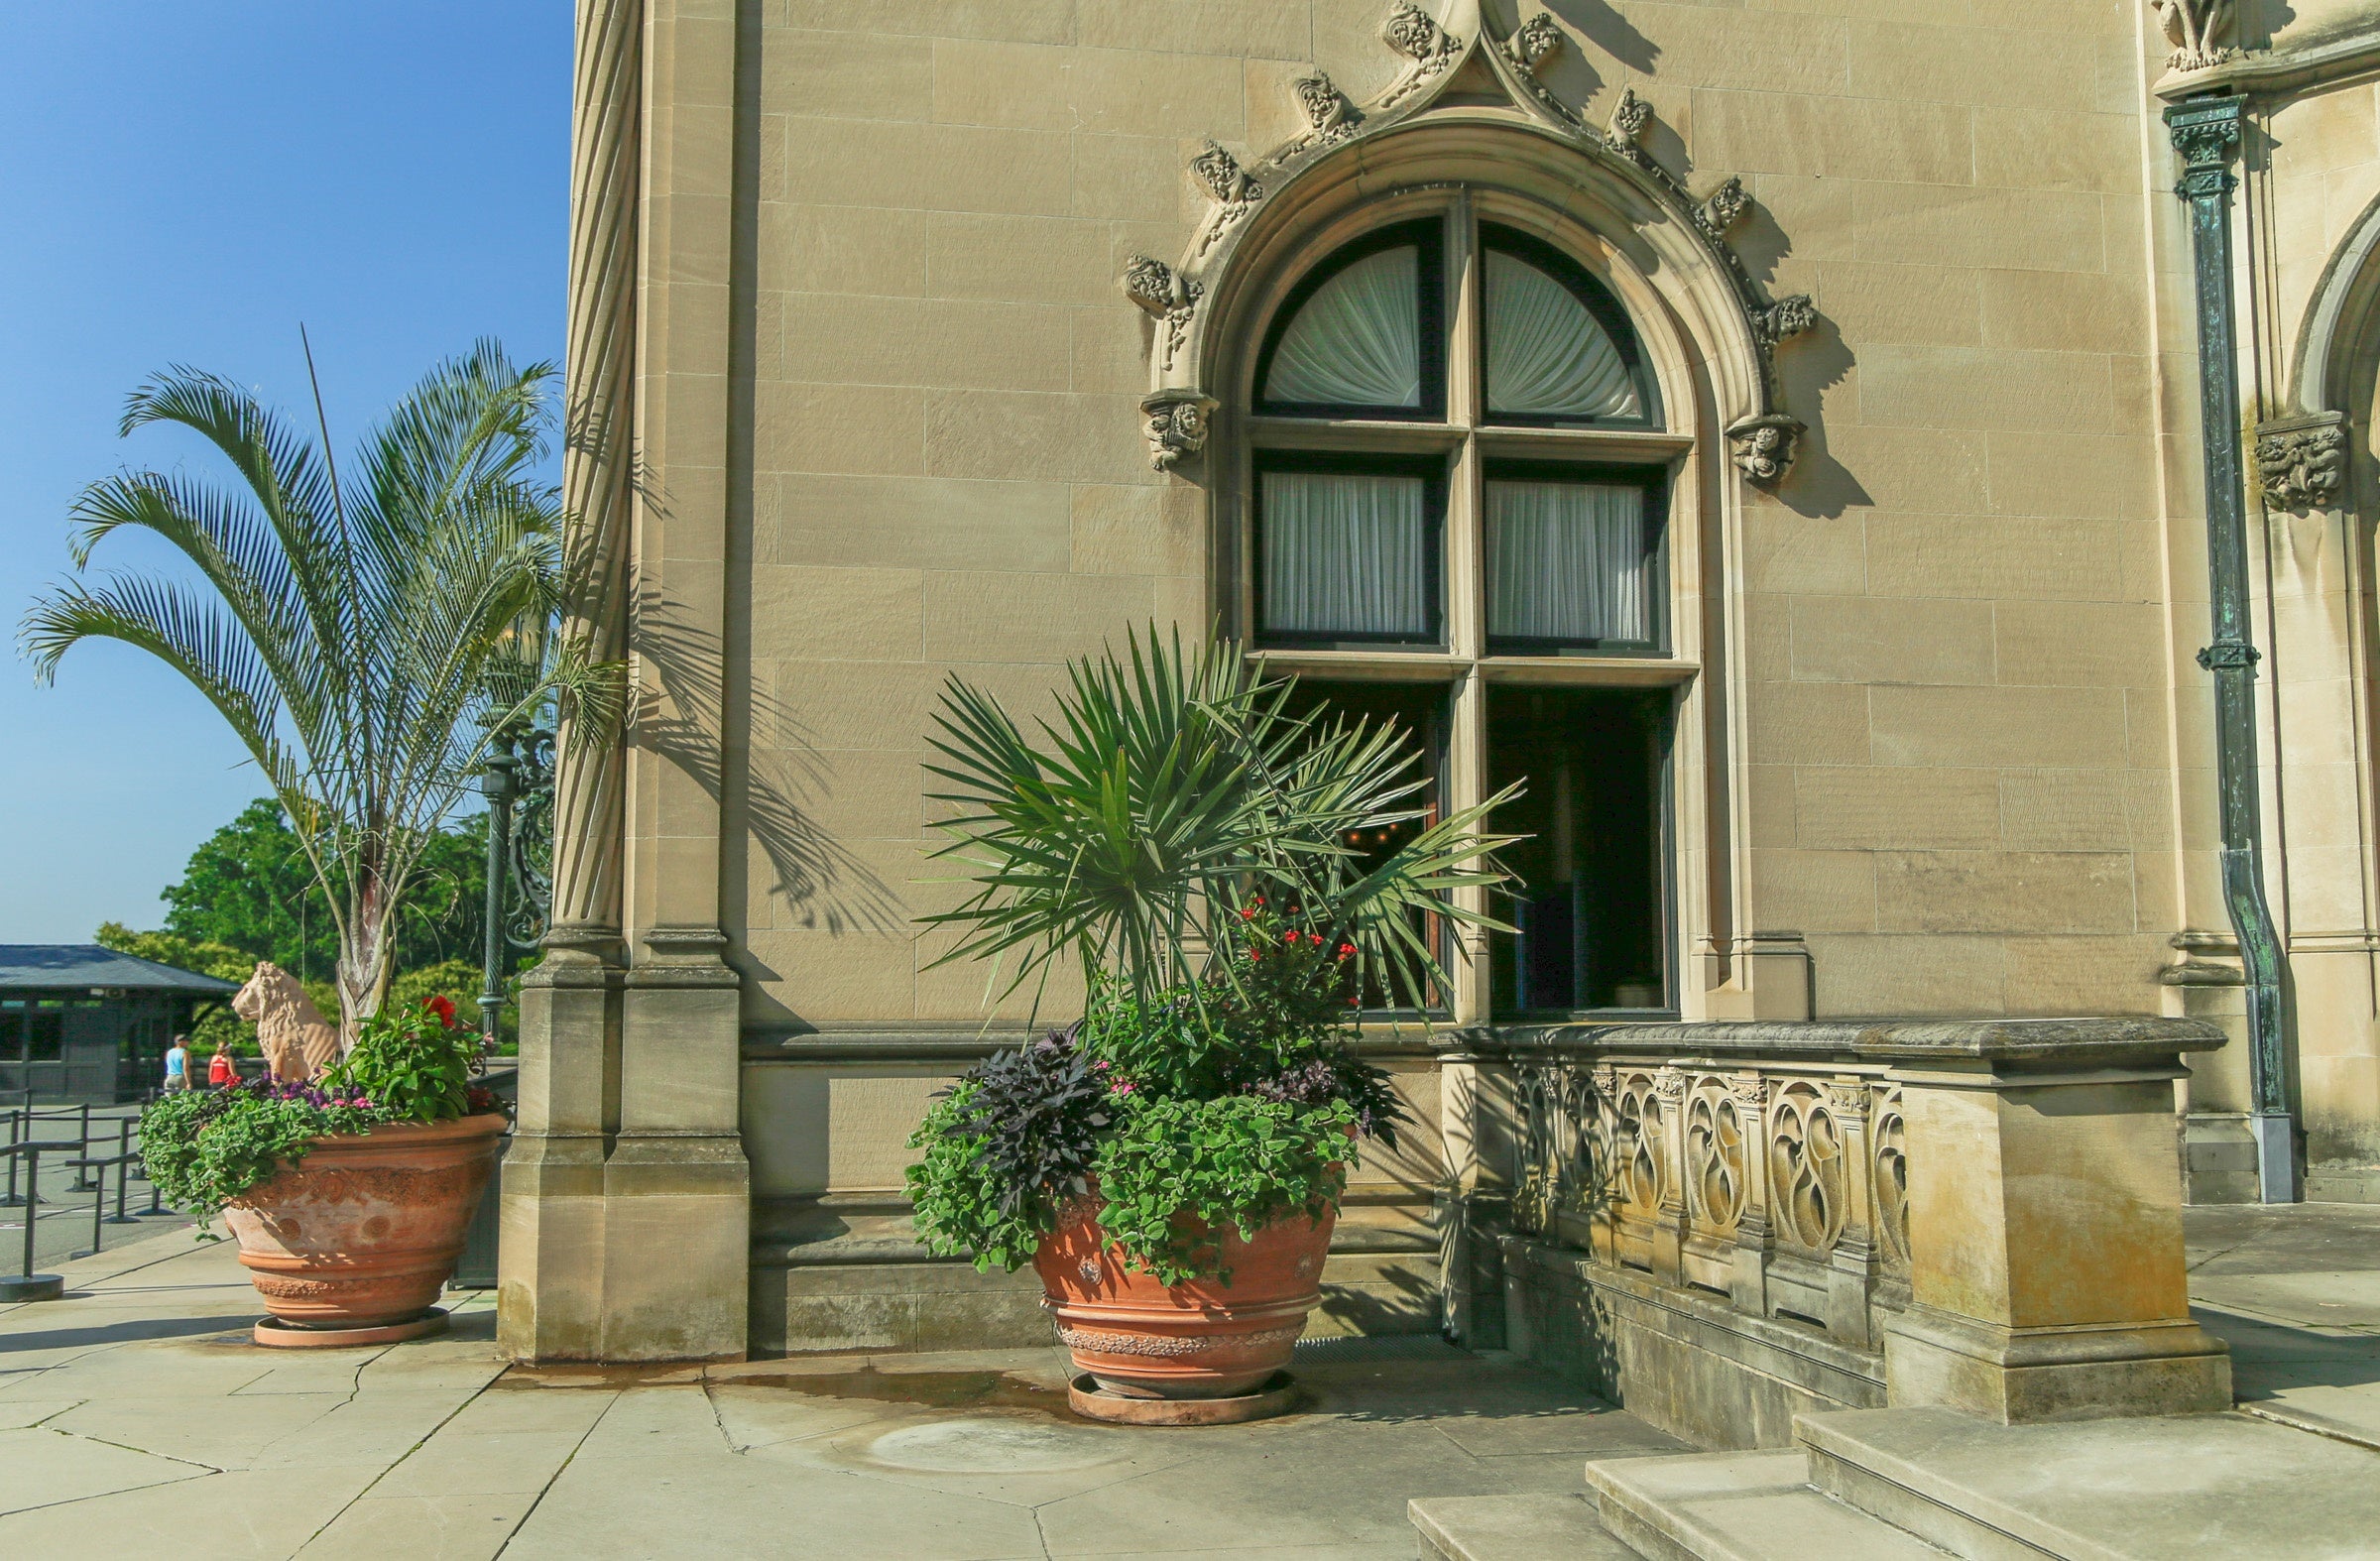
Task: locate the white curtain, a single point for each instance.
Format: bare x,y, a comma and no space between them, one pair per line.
1356,342
1344,555
1567,560
1547,357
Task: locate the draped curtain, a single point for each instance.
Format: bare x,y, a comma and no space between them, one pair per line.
1547,355
1567,560
1345,555
1356,342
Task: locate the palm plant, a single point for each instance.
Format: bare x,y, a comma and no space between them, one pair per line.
363,639
1172,792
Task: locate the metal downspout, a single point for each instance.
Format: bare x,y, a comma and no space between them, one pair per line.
2204,132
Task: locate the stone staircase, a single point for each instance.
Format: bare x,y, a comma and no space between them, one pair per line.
1899,1485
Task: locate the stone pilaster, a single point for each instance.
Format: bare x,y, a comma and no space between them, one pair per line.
550,1264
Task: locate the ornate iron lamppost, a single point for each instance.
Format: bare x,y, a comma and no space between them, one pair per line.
517,779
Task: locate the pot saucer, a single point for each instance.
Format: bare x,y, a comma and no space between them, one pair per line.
1087,1399
286,1336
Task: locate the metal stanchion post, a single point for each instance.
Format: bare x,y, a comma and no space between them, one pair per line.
82,1170
15,1136
25,1284
123,1168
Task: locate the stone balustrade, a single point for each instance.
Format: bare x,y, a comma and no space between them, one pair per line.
1721,1224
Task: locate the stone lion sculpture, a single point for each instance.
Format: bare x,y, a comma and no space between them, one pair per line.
296,1041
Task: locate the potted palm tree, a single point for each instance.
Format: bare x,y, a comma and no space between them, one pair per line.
362,635
1172,1160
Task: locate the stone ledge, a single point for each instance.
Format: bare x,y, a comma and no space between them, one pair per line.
2025,1043
1556,1527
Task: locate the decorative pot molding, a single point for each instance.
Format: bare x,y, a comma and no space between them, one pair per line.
2300,462
1459,45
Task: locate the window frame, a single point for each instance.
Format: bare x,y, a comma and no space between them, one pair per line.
1428,236
1654,483
1599,305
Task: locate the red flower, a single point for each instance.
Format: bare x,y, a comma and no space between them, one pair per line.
444,1007
1290,939
1248,913
1314,938
1346,950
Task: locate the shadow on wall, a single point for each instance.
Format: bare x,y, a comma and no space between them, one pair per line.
827,887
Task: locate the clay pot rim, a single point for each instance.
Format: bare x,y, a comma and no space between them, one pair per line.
483,1123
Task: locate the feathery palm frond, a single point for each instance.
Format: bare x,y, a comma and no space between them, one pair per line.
1167,791
361,641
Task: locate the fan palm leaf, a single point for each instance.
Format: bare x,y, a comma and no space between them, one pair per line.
1166,791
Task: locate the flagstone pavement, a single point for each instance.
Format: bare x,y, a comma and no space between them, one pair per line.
136,1418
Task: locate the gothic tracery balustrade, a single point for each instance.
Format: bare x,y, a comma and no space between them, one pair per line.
1780,1185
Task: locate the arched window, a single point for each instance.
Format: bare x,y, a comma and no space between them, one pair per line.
1458,481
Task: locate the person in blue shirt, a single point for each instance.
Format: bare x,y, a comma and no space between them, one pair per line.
178,1066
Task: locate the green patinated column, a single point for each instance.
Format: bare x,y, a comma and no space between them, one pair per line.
2206,132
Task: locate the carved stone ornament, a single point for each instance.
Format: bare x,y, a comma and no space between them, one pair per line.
1669,1084
1629,116
1410,31
1537,40
2198,30
2300,462
1753,1092
1165,293
1329,117
1177,426
1763,447
1724,207
1848,1102
1235,190
1788,316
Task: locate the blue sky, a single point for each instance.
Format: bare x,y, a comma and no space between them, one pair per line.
185,182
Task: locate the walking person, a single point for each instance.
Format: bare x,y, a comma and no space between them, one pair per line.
178,1066
222,1070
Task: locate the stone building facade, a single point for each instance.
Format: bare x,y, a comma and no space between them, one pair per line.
1772,432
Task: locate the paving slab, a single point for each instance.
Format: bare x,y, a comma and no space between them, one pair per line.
41,1466
420,1528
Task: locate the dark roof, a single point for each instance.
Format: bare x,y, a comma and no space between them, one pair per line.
48,966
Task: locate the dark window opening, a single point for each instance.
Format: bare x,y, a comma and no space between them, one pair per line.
1592,908
45,1036
1420,711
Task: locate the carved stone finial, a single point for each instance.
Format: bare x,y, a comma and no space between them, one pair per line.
1165,293
2300,462
1788,316
1329,115
1763,447
1177,426
1724,207
2198,30
1537,40
1629,116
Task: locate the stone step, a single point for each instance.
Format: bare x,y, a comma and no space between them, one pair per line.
1739,1506
1559,1527
2147,1490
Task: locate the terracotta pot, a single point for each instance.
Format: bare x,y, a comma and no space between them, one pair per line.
367,1226
1201,1340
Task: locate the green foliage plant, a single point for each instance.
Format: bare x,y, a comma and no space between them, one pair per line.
1187,843
203,1148
360,630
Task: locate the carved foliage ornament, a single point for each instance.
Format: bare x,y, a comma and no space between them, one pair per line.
1629,116
1536,40
1724,207
1233,190
1329,117
2302,460
2200,32
1412,33
1165,293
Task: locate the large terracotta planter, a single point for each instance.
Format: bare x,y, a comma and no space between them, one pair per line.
1141,1339
363,1230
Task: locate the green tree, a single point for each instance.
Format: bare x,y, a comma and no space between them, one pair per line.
361,636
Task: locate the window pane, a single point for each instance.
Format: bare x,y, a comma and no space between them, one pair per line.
1590,913
1356,342
1345,555
44,1033
1568,561
1547,355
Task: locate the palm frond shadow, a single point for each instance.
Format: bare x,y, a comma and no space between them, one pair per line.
828,887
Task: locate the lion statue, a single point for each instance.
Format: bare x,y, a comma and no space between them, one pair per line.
296,1038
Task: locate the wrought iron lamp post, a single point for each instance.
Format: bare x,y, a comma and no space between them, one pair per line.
517,778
